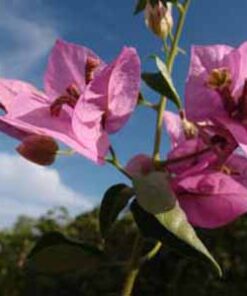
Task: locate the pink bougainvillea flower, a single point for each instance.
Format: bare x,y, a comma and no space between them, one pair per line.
208,178
110,97
212,144
8,90
84,99
212,199
216,88
209,198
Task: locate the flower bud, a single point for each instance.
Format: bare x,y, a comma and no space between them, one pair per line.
190,129
38,149
159,19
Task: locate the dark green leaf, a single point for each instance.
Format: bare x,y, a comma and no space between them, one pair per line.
140,6
156,2
156,82
165,73
174,230
162,82
171,1
54,254
114,201
154,193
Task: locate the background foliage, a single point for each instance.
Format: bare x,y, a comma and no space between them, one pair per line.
167,274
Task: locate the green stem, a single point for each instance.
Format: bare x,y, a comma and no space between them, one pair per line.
68,152
143,102
185,157
133,267
149,105
159,128
116,163
170,62
152,253
135,261
183,11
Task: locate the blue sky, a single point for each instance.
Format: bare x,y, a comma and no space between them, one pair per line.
28,29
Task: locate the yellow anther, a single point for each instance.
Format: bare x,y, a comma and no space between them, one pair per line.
228,170
189,128
219,79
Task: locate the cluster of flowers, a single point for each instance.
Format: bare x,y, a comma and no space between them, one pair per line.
207,166
85,100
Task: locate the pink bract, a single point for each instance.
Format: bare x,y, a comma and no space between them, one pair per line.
84,99
209,198
211,145
212,193
228,104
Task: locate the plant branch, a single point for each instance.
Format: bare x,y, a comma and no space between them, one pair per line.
152,253
133,267
116,163
170,63
136,261
185,157
183,12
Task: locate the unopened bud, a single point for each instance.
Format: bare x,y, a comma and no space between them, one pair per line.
190,129
159,19
38,149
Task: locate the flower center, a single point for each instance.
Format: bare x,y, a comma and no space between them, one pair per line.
219,79
69,98
242,104
228,170
72,92
219,141
91,65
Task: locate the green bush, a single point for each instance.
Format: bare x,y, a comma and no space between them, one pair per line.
168,273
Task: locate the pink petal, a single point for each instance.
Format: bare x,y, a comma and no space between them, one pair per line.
88,115
10,88
24,103
238,164
212,200
11,130
242,73
66,66
31,114
238,131
123,89
184,150
87,126
201,102
207,58
140,165
174,128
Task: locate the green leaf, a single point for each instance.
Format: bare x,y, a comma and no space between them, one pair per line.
154,2
140,6
174,230
154,193
55,254
171,1
162,82
114,201
165,73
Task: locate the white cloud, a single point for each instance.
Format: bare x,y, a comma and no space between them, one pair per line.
26,188
27,40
